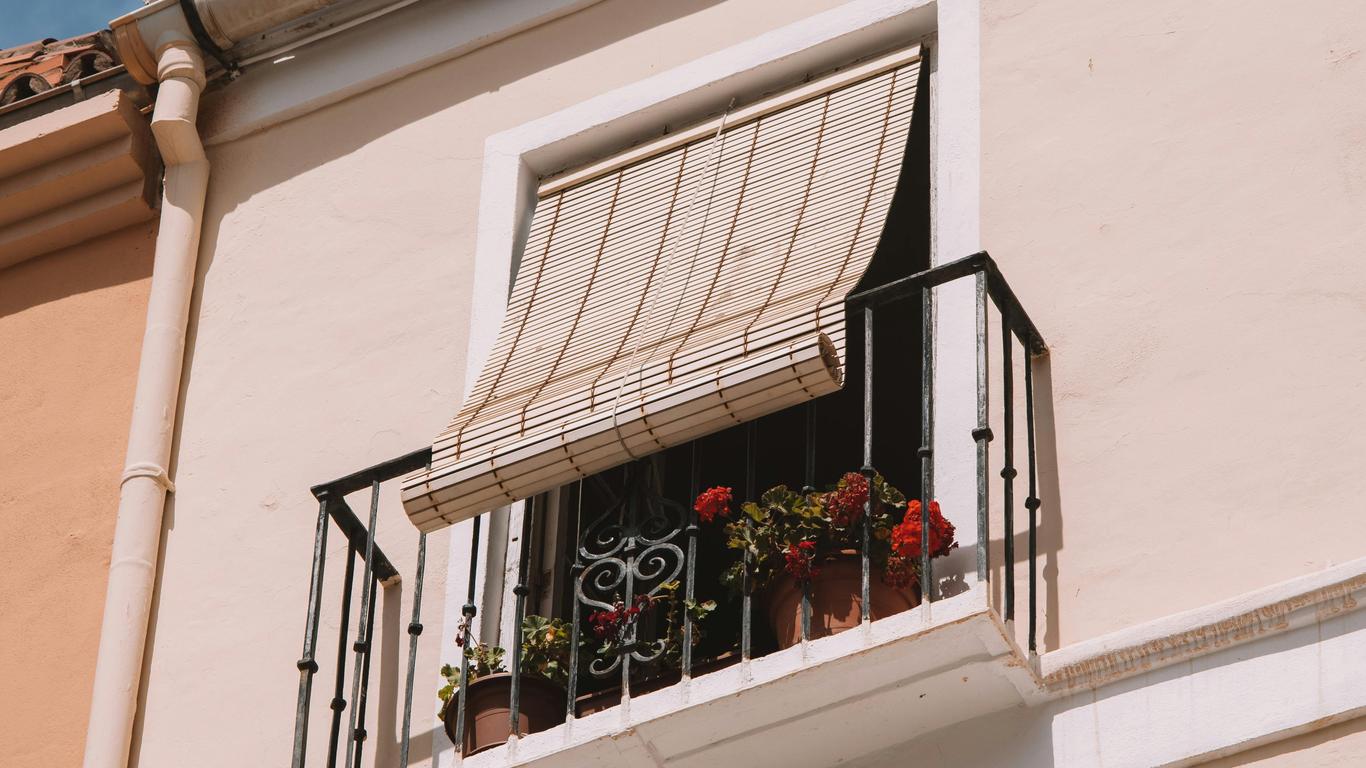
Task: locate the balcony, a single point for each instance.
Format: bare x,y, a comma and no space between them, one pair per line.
656,662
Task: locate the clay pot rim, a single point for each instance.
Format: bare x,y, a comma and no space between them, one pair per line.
536,681
527,677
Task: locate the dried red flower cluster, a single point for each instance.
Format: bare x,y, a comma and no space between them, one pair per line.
610,623
845,503
906,535
713,503
801,559
900,572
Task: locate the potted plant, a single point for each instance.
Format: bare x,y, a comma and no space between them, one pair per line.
809,542
657,660
488,696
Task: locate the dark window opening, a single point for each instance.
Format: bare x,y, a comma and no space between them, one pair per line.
780,455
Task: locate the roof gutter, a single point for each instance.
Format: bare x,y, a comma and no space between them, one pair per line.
237,33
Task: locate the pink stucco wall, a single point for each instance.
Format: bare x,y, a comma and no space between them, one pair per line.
71,327
1175,191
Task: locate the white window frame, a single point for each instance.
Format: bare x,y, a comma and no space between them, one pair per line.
515,160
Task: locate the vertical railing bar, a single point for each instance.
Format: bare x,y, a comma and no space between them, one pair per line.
982,433
865,563
360,733
519,613
926,438
633,512
690,566
809,489
307,664
468,613
1032,502
362,645
574,573
1008,470
338,700
414,631
746,599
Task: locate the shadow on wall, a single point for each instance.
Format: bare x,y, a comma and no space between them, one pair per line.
482,71
1049,528
962,561
117,258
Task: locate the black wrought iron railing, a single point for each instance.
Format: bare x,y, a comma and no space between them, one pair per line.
376,571
1016,327
640,541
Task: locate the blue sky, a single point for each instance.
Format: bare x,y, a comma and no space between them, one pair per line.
23,21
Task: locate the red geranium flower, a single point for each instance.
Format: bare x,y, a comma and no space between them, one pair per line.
800,559
613,623
900,572
713,503
906,535
845,503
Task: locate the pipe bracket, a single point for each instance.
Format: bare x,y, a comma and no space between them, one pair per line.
148,469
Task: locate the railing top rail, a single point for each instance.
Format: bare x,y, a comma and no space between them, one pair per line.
997,286
388,470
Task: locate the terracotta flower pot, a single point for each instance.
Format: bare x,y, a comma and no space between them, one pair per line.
488,710
836,600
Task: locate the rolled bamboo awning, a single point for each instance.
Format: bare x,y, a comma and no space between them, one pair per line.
680,288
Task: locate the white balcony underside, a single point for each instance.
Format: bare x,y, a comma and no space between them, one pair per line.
840,697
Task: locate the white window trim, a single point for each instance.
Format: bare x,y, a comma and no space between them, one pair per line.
515,159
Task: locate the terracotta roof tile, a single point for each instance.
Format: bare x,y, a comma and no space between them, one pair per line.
32,68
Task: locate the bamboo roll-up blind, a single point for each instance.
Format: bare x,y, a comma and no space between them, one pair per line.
678,289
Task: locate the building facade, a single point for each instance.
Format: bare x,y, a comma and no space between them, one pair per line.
375,266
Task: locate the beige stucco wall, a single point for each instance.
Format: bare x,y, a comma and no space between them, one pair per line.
71,327
1171,202
1337,745
1175,191
329,333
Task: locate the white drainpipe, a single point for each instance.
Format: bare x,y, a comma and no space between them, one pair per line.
137,532
176,64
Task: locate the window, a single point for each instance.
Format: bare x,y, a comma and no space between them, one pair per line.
586,531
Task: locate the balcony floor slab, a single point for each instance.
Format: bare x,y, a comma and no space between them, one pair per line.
833,699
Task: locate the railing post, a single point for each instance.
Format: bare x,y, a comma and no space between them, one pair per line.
635,473
519,613
690,567
468,613
1032,503
1008,451
362,698
362,645
982,434
746,599
414,631
865,566
307,664
575,572
809,489
926,439
339,687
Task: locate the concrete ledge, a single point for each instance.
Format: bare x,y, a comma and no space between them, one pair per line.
1183,636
